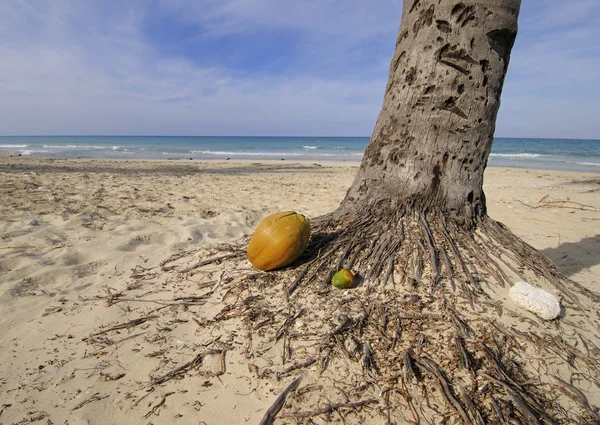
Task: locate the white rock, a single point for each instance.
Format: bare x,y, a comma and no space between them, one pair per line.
32,222
536,300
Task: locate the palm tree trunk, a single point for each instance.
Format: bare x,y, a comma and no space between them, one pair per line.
434,133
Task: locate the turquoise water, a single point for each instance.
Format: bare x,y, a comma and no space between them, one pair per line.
563,154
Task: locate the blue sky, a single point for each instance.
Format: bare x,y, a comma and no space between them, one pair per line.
263,67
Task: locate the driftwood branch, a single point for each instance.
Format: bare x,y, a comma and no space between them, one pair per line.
269,417
330,408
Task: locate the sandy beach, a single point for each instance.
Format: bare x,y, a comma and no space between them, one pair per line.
76,232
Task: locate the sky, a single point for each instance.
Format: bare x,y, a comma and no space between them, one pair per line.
263,67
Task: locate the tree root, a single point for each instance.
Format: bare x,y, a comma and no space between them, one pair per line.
425,337
397,253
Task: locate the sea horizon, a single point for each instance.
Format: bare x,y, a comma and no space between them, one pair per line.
544,153
255,136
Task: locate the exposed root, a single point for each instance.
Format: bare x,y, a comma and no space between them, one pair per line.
418,340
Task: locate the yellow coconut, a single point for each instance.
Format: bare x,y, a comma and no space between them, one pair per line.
279,240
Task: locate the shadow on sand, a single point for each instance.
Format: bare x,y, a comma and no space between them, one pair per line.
572,257
594,181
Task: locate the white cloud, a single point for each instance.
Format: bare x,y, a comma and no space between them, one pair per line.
553,83
349,18
76,69
87,67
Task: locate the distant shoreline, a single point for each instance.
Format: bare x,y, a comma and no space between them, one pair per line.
551,154
32,163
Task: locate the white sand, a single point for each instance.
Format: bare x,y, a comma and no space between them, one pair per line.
99,220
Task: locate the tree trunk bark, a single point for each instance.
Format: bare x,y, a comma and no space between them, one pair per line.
434,133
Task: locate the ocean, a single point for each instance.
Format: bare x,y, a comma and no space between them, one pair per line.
560,154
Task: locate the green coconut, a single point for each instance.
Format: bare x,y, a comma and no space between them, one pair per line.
343,279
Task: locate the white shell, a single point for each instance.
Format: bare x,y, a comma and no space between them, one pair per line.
536,300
